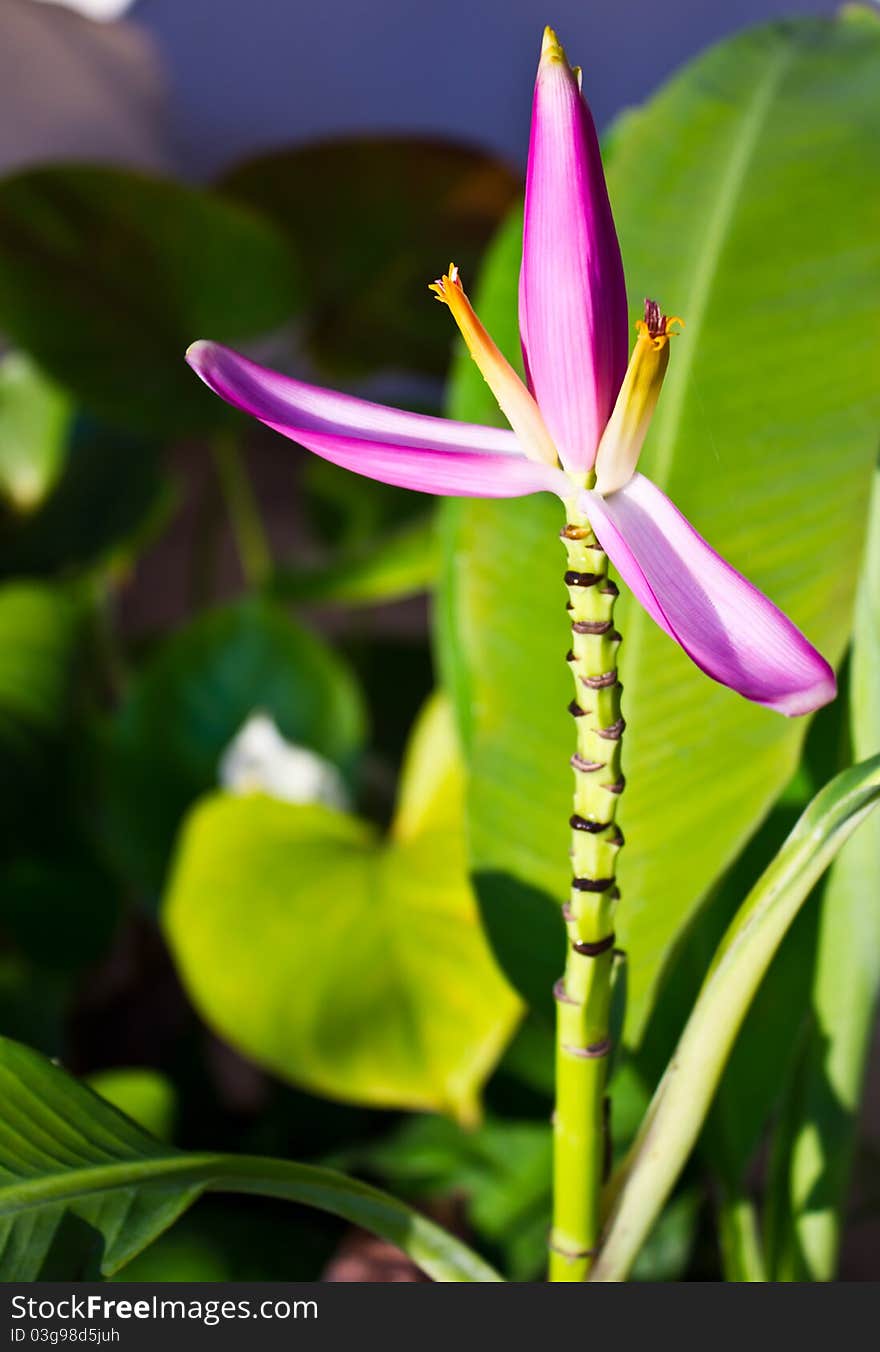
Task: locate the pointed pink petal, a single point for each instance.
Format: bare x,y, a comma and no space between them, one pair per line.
573,311
729,628
279,399
411,450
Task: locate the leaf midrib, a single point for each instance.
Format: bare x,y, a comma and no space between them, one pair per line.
71,1184
436,1252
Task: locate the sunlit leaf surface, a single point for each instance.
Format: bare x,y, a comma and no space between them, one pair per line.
350,965
747,195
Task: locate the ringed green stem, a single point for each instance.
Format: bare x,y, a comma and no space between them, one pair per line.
244,513
583,995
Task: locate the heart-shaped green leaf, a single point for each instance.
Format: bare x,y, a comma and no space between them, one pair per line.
70,1162
747,195
349,964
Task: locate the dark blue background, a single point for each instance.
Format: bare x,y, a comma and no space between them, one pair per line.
253,73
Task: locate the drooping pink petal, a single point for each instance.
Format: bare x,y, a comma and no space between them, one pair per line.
412,450
728,628
573,311
276,398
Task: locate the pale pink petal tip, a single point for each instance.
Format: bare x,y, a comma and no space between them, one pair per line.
411,450
725,625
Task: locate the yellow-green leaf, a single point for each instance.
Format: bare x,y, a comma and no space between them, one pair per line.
352,965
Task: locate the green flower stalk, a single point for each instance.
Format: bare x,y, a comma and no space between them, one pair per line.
583,994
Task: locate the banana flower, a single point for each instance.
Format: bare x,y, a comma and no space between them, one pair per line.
577,425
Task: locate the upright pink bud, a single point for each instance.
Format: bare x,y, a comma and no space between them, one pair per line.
573,312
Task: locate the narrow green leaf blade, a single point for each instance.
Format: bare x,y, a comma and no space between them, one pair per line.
824,1116
66,1153
684,1095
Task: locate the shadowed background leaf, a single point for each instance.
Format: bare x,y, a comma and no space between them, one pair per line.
107,276
163,747
389,215
815,1143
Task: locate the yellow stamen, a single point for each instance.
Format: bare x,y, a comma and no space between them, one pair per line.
628,425
514,399
551,47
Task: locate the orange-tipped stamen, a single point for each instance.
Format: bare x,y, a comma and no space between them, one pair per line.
514,399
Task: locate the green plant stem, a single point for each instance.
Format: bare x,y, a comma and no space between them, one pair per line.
241,504
583,996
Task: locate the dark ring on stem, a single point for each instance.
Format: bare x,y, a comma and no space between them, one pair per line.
592,1053
610,588
590,626
600,682
561,994
614,733
586,767
592,884
575,709
583,824
570,532
573,1254
617,787
596,949
573,579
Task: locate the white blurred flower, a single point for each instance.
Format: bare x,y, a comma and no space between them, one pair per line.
259,760
94,9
